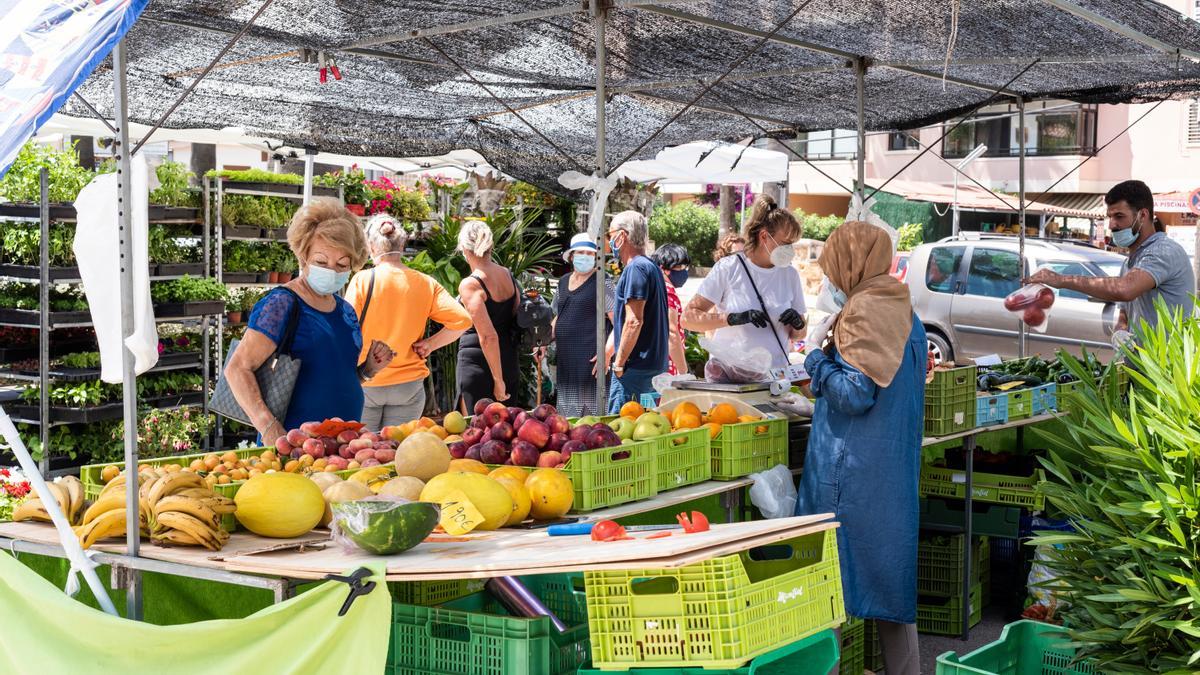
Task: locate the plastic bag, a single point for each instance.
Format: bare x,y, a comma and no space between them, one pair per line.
353,518
662,382
731,360
774,492
1032,304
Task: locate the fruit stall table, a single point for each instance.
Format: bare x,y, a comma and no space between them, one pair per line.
41,539
966,477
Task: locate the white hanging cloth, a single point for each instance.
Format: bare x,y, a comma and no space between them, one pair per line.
98,251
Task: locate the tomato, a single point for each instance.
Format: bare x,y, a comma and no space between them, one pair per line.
697,523
607,530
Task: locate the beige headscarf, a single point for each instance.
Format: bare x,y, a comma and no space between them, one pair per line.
873,328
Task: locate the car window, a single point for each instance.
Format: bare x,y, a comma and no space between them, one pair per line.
1071,268
943,265
993,273
1112,269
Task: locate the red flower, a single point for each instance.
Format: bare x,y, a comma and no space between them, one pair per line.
5,472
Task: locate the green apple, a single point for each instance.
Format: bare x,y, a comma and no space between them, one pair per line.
623,428
628,441
658,420
590,420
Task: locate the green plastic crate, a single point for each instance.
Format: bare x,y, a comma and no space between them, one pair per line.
475,635
749,447
1030,402
853,647
943,616
985,487
600,479
89,474
429,593
940,563
814,655
1024,648
719,613
950,401
683,459
874,653
992,520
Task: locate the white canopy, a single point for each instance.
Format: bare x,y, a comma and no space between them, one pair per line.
709,162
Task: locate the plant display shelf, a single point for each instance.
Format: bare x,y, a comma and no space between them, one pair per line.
60,275
163,313
166,361
65,213
59,414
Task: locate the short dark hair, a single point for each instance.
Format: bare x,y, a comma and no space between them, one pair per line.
1133,192
669,256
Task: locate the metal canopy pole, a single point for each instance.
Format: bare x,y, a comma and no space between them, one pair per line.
860,77
310,155
133,589
44,322
599,14
1021,210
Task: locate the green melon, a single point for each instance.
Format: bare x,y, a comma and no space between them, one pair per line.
385,527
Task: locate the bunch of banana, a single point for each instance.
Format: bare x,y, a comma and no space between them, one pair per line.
174,507
67,491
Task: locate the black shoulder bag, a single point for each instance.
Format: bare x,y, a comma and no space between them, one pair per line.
742,259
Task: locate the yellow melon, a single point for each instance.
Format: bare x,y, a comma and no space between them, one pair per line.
345,491
422,455
486,494
279,505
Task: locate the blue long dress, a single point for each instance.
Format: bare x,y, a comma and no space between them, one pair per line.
863,464
328,345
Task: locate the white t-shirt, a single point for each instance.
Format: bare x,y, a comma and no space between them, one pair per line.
729,289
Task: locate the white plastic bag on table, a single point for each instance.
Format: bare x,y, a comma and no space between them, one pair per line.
663,381
1032,304
731,360
774,492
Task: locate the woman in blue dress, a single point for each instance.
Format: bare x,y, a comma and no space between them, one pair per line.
328,242
864,451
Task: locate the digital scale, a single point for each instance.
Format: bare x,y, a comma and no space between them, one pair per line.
759,395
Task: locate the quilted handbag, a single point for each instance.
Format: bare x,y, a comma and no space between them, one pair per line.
276,376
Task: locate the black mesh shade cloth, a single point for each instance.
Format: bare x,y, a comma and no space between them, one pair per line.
400,97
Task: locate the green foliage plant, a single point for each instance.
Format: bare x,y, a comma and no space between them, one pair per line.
691,225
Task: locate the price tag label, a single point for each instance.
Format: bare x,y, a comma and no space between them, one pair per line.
459,515
959,478
791,373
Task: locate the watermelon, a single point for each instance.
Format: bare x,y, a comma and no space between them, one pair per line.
385,526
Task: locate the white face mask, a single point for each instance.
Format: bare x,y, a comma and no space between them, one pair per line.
782,255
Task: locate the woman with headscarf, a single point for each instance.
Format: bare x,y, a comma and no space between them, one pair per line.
864,452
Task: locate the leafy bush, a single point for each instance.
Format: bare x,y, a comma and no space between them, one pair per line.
22,183
187,289
1126,476
818,227
911,236
20,244
690,225
164,247
255,211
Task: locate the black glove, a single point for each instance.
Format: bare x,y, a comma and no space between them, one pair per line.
752,316
793,318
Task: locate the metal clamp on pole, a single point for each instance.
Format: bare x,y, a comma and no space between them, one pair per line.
357,587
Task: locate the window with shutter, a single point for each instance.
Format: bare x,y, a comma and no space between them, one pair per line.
1193,130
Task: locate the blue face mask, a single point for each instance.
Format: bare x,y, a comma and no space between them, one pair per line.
612,244
1125,238
325,281
678,277
583,263
839,298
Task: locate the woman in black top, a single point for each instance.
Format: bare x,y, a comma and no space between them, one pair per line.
575,330
487,352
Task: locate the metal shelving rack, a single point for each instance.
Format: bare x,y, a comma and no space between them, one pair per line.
44,213
214,198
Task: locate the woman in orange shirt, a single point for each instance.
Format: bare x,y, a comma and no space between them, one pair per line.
393,303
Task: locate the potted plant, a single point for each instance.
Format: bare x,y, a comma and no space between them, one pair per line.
354,190
233,305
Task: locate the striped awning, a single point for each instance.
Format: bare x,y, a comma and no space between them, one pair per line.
1077,204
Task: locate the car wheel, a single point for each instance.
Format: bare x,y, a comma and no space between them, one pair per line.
939,347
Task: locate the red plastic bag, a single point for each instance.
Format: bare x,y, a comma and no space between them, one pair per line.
1032,304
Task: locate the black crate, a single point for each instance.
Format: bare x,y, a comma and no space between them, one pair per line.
180,269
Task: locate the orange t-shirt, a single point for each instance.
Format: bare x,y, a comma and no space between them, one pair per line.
403,300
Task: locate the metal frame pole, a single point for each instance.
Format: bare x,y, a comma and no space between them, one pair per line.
133,592
44,321
310,155
599,14
1021,332
860,77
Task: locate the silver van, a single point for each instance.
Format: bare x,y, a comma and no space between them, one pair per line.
958,286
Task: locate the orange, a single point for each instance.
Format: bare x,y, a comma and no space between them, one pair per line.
551,493
687,421
632,409
748,418
438,431
714,429
687,407
425,423
723,413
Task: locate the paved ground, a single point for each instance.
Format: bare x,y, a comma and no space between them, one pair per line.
932,646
